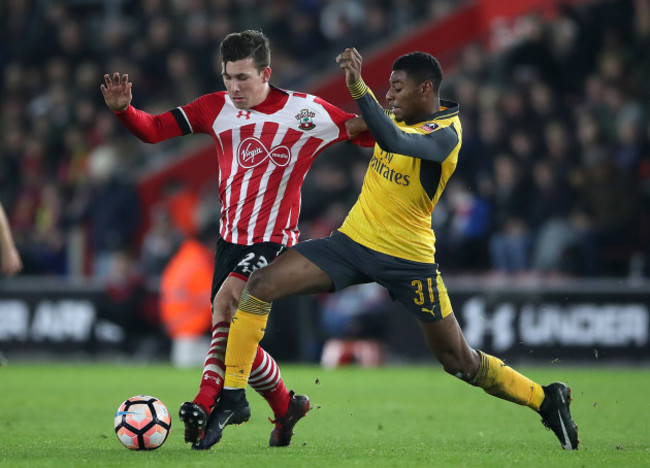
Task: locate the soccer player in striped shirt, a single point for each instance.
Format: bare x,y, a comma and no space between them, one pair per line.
387,238
266,140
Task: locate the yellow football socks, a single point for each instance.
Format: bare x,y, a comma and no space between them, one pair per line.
504,382
246,330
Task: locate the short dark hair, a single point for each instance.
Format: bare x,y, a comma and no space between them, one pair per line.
421,67
249,43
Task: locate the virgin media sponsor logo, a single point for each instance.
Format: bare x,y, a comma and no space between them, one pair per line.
251,152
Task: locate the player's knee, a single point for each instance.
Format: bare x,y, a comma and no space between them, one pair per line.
259,286
458,365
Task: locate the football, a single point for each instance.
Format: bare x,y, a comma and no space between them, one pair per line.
142,423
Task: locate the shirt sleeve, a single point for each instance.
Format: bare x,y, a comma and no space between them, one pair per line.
338,116
199,115
150,128
434,146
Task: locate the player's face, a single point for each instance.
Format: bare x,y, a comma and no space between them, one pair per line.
246,86
406,98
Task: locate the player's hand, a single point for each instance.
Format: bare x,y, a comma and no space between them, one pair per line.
117,91
355,127
350,61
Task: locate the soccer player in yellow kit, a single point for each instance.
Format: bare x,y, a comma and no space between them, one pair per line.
387,238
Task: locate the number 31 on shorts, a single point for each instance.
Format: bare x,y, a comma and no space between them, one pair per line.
420,292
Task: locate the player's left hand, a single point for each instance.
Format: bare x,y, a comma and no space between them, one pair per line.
350,61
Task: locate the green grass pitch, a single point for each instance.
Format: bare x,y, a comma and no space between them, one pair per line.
62,415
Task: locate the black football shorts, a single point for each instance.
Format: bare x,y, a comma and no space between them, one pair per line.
241,260
418,286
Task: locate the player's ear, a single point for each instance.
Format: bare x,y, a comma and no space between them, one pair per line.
266,74
427,87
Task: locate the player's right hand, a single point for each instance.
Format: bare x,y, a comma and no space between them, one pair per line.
350,61
117,91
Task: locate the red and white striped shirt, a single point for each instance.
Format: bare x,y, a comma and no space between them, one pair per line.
263,153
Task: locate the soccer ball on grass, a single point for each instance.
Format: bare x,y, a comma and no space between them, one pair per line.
142,423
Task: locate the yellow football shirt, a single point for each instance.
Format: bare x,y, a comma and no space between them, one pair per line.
393,212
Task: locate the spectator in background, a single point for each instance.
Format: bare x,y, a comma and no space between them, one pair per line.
185,287
549,209
474,64
12,142
327,221
492,135
110,202
183,82
10,262
341,21
511,239
160,242
608,199
463,240
524,148
328,182
45,253
513,108
560,149
627,149
531,59
544,105
208,206
181,204
570,47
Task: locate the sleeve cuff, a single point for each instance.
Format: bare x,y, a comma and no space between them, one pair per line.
118,112
358,89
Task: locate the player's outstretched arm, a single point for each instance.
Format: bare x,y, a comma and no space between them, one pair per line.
148,128
117,91
389,137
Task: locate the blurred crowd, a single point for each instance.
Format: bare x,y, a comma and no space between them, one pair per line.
67,168
554,173
553,176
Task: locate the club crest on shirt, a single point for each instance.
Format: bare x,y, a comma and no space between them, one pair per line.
429,127
305,117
